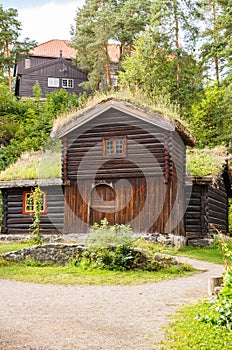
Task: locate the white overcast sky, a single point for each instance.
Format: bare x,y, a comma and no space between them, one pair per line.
43,20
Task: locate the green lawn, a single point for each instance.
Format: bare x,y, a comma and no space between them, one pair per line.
31,271
8,247
208,254
77,275
73,275
213,254
187,333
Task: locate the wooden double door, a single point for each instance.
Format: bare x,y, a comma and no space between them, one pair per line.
103,204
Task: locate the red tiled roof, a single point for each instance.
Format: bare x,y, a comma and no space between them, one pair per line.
53,47
114,52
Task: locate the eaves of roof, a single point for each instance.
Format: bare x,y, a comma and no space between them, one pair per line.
78,119
31,183
46,65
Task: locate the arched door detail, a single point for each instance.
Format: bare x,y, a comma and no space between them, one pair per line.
102,204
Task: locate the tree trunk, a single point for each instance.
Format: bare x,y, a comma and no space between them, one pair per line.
216,61
178,70
8,68
107,66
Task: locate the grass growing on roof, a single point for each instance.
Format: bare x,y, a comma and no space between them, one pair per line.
34,165
159,104
203,162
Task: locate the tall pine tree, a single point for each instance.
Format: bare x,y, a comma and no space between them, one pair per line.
10,46
97,23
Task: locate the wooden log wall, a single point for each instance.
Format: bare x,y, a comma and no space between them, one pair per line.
15,222
208,206
218,207
144,203
197,218
145,148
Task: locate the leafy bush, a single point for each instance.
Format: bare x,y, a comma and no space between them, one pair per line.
36,201
187,333
222,304
110,247
116,248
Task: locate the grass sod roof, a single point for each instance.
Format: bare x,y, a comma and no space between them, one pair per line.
47,165
206,162
34,165
157,107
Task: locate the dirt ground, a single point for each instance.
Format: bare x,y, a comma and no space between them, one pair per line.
52,317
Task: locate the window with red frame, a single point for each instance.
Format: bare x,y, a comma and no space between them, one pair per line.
114,147
29,204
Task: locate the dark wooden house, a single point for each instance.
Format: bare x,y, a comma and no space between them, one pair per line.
17,214
51,65
207,203
124,163
127,164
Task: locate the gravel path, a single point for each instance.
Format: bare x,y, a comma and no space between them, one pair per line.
52,317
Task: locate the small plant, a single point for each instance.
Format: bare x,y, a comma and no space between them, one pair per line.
116,248
109,247
222,304
36,200
104,235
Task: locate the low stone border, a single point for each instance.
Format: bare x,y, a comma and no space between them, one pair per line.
63,253
53,252
166,239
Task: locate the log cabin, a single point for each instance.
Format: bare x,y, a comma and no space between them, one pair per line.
207,193
124,163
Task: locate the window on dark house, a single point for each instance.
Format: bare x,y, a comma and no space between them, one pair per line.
68,83
114,147
53,82
27,63
29,203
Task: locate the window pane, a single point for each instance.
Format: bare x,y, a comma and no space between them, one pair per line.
31,205
119,146
67,83
70,83
53,82
109,147
29,202
64,83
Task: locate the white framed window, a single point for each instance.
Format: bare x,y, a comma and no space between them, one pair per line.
53,82
68,83
27,63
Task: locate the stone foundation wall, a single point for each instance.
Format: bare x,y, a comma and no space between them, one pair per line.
52,252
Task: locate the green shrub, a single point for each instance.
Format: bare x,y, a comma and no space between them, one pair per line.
222,304
116,248
110,247
187,333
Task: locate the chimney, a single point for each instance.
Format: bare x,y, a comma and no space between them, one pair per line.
60,53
